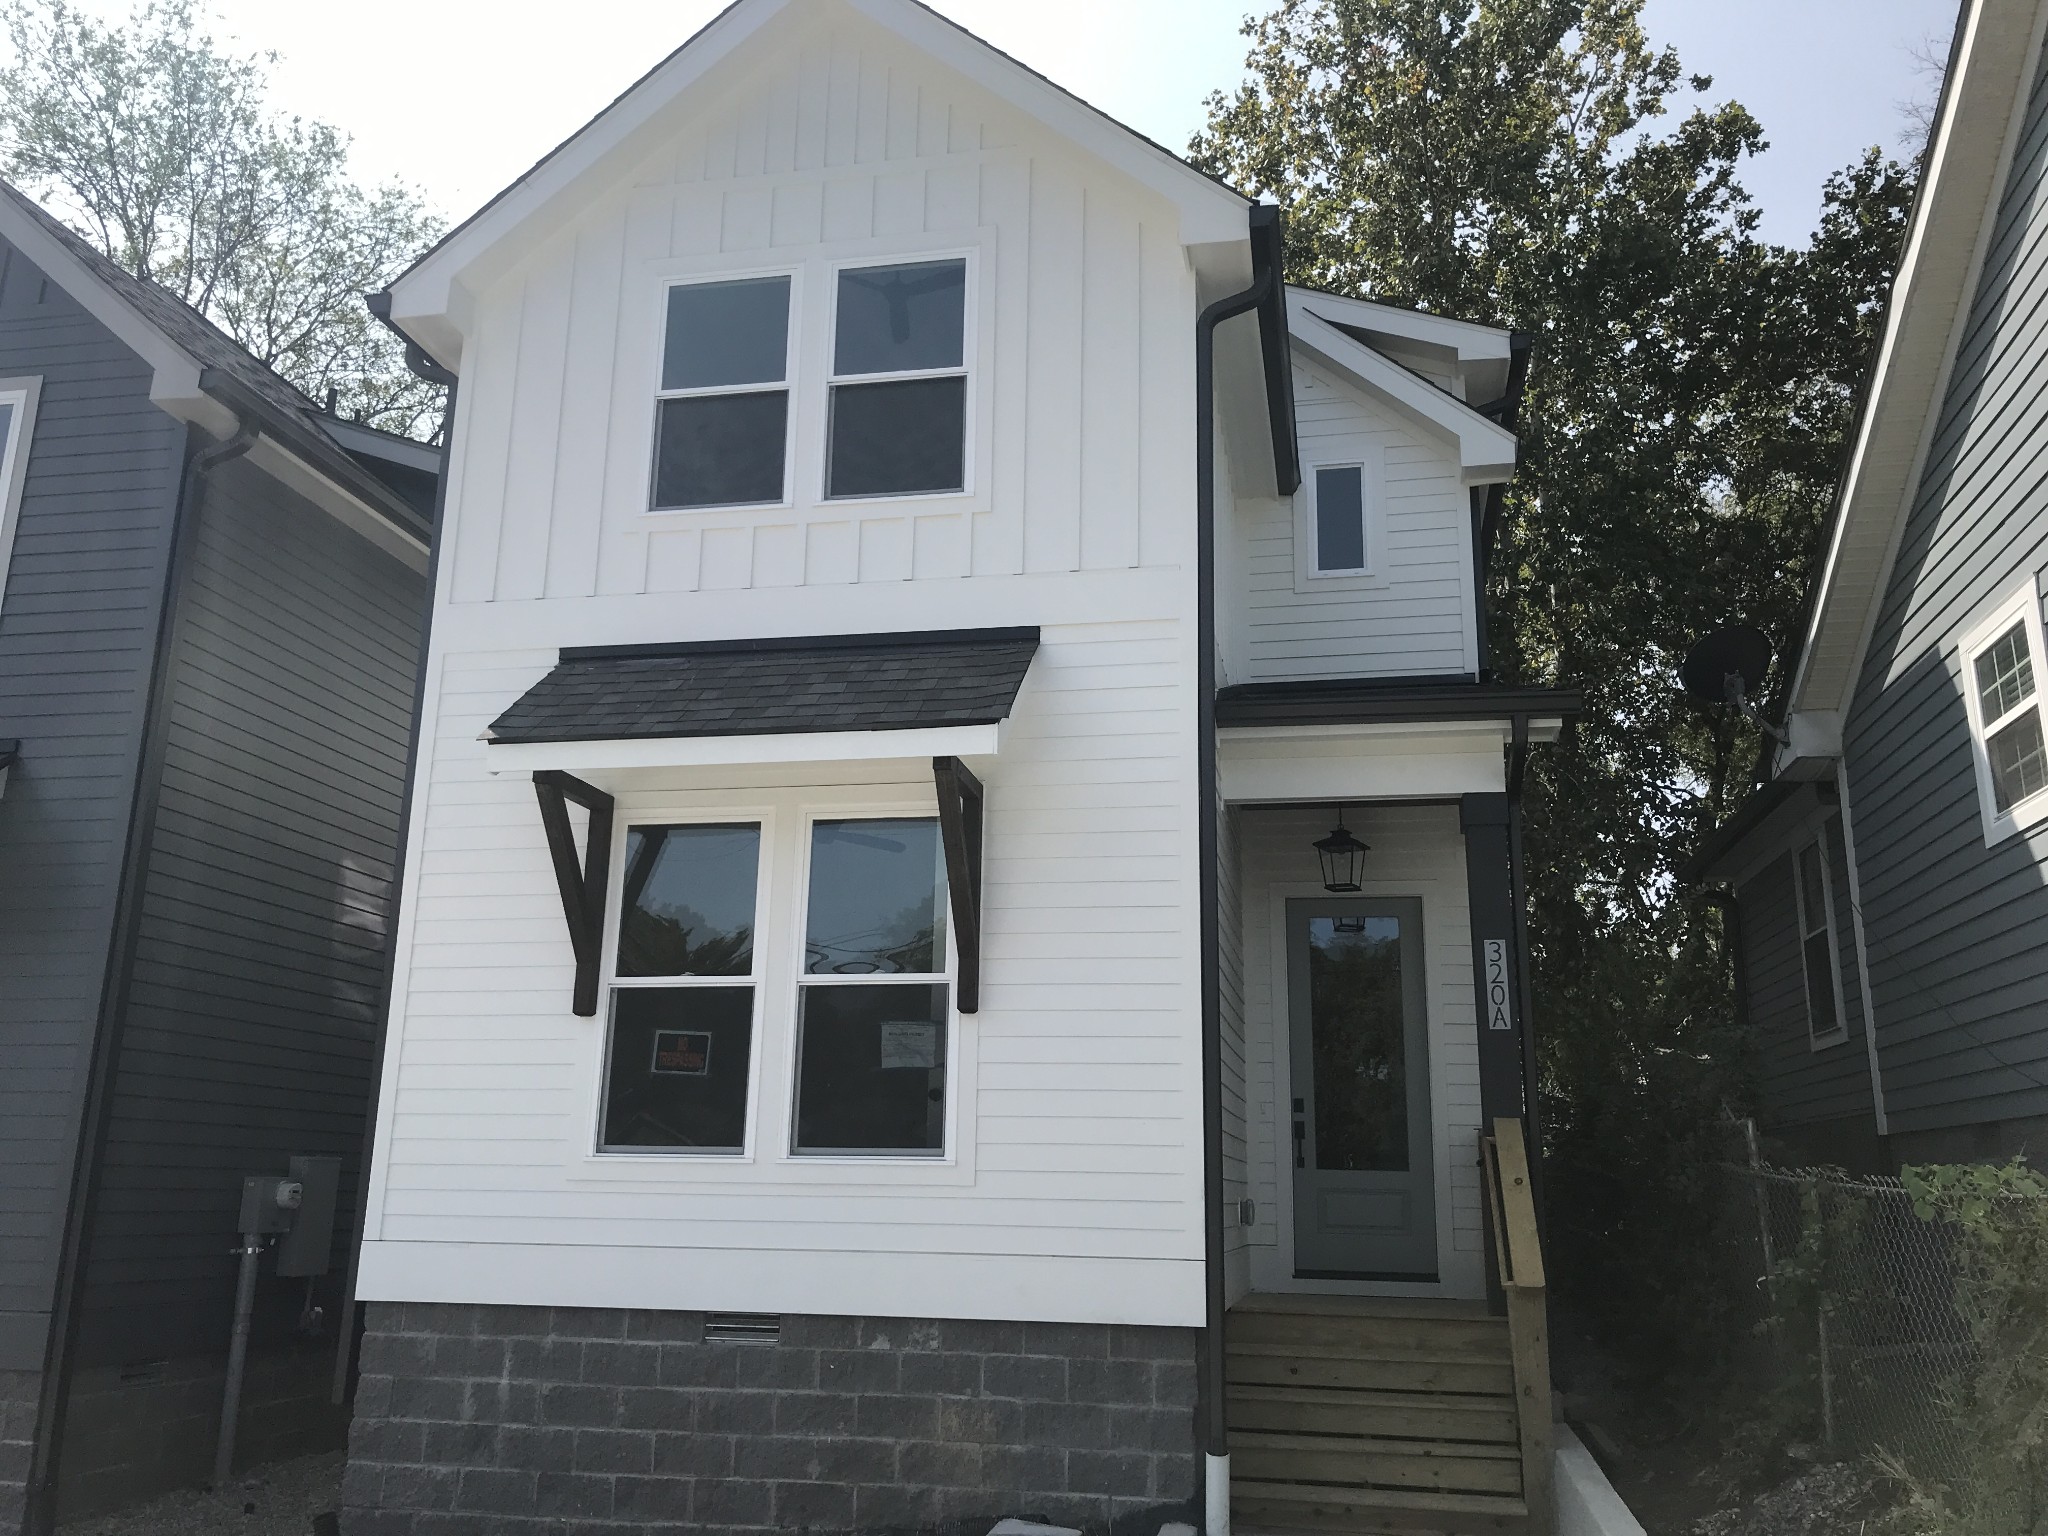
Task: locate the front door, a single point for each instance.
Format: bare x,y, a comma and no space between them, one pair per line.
1364,1183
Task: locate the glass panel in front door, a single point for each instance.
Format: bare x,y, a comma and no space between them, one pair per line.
1364,1180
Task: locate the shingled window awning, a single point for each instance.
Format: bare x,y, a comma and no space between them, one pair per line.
941,695
809,699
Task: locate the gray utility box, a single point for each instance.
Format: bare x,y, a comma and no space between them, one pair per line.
307,1246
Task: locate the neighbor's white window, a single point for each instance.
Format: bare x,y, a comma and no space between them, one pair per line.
684,993
2002,688
875,995
17,423
1820,957
898,391
721,433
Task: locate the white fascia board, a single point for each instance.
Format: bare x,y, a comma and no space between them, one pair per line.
427,299
1486,450
1462,340
1274,765
288,469
174,372
1967,165
586,757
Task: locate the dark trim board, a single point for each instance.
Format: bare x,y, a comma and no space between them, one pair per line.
1349,702
890,640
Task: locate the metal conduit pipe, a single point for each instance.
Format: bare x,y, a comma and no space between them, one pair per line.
1212,1428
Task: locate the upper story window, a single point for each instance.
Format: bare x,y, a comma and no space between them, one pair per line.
17,420
898,409
1819,955
722,428
2001,681
1338,516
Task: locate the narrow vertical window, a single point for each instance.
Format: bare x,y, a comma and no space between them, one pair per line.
1817,952
874,1001
899,381
722,420
682,1018
1339,516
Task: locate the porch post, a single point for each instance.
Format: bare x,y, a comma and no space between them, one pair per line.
1496,955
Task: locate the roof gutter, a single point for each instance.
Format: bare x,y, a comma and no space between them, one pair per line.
1212,1430
416,358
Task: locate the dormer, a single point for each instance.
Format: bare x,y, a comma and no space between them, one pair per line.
1370,569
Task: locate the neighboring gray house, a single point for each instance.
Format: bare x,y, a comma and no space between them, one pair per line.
1892,869
211,603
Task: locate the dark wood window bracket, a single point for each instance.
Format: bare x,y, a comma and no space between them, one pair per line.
582,881
960,808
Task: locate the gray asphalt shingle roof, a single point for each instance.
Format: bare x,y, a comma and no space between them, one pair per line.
774,687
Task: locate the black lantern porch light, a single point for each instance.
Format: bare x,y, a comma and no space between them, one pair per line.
1343,859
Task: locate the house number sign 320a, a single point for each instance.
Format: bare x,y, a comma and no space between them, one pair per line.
1500,1008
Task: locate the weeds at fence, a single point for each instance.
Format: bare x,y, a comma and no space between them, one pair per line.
1904,1320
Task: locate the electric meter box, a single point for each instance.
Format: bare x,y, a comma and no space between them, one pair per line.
307,1247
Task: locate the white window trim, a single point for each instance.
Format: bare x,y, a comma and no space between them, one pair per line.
970,308
1372,475
792,352
2022,604
1840,1033
781,896
23,394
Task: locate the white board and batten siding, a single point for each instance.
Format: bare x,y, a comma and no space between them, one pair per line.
1412,615
1073,1188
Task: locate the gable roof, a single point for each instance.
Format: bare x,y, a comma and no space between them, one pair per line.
565,179
1997,46
204,376
1486,449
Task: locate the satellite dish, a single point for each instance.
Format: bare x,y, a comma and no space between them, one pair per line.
1727,667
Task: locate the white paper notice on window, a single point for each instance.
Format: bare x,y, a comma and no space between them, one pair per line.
909,1043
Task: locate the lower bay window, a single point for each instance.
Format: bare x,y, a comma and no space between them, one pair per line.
849,983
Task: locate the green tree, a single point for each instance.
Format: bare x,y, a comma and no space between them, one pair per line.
159,145
1525,163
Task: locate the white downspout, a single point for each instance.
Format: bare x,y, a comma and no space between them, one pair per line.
1216,1503
1862,948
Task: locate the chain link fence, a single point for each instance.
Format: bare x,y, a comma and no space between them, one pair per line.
1853,1303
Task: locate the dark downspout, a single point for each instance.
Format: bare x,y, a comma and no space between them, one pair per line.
1211,1428
426,368
39,1518
1532,1100
1486,504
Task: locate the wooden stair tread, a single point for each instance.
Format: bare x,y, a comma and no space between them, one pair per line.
1365,1397
1292,1440
1286,1507
1362,1349
1414,1307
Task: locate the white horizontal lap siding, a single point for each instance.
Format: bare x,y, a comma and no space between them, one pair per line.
1413,618
1078,1101
1080,330
1416,851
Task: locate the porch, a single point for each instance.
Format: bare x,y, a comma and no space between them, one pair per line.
1398,1415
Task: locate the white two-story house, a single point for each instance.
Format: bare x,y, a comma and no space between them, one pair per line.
960,927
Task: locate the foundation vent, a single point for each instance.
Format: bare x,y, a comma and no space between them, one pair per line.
742,1328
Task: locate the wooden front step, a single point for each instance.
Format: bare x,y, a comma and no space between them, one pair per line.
1368,1417
1278,1507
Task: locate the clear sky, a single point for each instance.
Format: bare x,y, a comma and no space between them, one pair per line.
460,96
